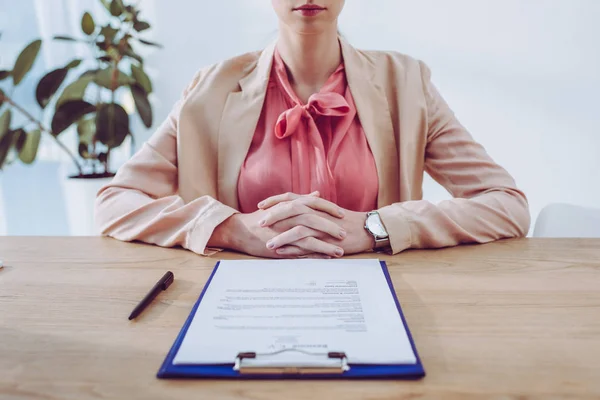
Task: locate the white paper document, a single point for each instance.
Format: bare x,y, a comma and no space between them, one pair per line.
316,306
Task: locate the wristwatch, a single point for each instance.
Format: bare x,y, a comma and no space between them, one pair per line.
375,227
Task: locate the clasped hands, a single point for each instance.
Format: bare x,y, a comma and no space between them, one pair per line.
299,226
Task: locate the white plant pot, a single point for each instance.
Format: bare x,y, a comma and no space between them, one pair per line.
80,196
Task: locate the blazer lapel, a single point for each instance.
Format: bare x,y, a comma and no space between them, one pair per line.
238,124
374,113
243,109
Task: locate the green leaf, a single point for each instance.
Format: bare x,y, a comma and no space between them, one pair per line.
108,32
6,142
112,125
88,26
130,53
104,78
103,157
141,78
6,136
5,122
132,13
25,61
84,151
29,149
113,53
4,74
73,64
141,26
103,44
68,113
86,130
149,43
142,104
68,38
106,4
91,73
19,138
48,86
116,8
75,90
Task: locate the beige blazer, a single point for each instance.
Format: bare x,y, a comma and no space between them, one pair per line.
182,183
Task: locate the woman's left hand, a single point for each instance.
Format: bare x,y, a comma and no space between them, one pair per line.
287,211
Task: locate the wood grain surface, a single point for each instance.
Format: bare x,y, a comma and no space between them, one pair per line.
508,320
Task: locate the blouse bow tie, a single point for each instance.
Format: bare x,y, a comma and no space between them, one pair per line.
324,104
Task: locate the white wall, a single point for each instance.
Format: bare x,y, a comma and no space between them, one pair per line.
522,75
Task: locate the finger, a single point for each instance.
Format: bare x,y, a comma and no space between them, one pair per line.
294,252
319,204
312,221
315,246
280,198
290,236
284,211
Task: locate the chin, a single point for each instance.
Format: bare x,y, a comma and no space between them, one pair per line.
312,27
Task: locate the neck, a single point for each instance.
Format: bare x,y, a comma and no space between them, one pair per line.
310,59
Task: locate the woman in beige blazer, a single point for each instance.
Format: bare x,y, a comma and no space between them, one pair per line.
182,187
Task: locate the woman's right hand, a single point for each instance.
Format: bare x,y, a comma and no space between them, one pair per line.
244,233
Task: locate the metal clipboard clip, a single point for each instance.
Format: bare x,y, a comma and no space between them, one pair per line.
291,362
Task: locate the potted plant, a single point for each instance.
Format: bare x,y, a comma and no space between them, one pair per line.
88,98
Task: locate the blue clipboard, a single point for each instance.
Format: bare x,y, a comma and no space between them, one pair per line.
168,370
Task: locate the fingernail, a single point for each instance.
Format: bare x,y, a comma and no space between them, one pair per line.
341,212
270,245
339,252
343,234
261,204
262,222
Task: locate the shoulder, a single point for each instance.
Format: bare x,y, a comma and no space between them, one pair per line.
225,74
394,63
398,73
395,58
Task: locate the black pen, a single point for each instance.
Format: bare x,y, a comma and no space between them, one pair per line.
161,285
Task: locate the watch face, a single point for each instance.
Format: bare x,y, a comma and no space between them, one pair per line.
375,227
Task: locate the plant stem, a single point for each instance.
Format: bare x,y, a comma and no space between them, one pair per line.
94,49
43,129
106,161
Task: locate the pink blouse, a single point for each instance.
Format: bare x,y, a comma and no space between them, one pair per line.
302,148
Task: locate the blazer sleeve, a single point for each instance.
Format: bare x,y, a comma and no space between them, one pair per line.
486,204
142,202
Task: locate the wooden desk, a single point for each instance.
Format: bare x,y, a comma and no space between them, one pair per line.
508,320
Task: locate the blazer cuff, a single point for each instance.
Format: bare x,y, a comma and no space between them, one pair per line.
398,228
205,225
